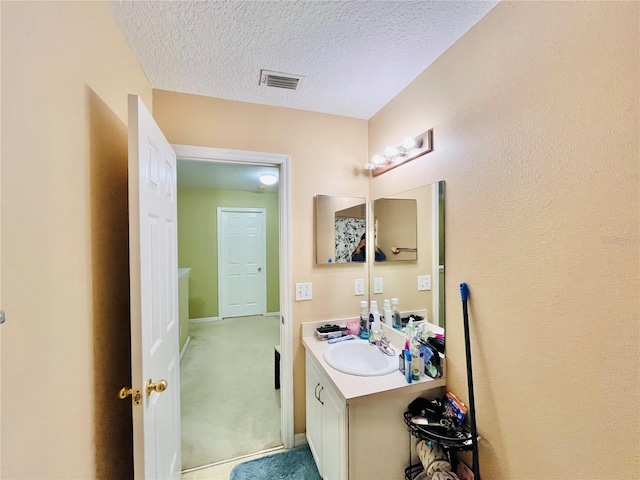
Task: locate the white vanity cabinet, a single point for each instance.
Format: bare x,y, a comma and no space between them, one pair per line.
355,424
326,423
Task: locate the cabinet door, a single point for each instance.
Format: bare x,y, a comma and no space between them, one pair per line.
314,410
334,435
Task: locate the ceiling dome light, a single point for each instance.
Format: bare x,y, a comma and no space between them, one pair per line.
268,179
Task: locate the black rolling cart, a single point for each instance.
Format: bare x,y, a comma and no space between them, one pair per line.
450,440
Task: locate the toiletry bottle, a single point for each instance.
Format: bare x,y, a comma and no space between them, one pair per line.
415,362
388,314
397,321
407,365
374,316
364,320
411,329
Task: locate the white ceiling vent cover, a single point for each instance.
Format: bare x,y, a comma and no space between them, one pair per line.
288,81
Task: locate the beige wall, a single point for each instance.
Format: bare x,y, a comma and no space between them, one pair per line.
198,243
66,73
327,153
535,115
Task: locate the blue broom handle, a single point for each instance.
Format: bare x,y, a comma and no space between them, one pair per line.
464,294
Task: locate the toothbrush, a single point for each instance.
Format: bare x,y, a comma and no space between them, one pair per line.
341,339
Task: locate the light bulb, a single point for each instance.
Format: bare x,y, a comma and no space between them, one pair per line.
409,142
378,159
391,152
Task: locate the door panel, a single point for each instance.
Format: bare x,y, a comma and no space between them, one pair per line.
154,290
241,260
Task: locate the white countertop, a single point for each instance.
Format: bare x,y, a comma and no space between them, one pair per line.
354,386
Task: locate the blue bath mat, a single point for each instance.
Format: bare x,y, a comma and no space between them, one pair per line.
296,464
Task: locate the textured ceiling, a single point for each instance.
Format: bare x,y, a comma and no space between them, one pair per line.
355,55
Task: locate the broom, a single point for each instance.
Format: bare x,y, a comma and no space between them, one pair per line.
464,294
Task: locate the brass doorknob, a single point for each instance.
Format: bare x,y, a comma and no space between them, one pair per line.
159,386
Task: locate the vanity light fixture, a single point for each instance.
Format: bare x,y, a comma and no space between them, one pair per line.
412,147
268,179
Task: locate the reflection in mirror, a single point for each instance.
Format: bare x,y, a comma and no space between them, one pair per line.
395,228
418,282
340,227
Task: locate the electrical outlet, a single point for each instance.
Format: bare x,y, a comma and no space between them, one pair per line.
424,282
359,286
377,285
303,291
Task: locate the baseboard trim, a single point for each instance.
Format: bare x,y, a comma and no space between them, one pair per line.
300,440
217,319
184,347
204,320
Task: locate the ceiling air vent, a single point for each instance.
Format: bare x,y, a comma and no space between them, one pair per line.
288,81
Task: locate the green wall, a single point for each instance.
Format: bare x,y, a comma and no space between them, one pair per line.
198,243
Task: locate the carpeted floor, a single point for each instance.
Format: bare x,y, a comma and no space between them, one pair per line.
296,464
229,404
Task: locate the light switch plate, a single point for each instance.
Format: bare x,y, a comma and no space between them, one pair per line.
377,285
303,291
424,282
359,286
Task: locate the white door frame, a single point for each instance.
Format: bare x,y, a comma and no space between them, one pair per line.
222,273
222,155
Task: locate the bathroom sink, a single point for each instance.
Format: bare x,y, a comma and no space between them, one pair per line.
357,357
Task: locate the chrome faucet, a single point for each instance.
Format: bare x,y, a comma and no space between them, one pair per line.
378,338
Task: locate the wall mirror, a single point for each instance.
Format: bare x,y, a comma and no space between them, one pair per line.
400,278
340,226
395,229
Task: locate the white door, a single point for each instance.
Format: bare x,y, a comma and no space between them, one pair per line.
241,262
154,309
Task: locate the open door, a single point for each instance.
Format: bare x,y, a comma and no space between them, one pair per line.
155,364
